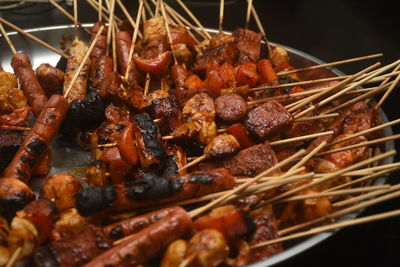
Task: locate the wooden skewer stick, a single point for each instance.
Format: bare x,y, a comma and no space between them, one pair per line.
73,80
308,156
261,28
363,179
105,12
367,143
300,138
32,37
134,37
184,21
69,16
76,19
240,188
370,130
331,176
5,35
387,93
330,64
365,196
249,6
323,116
341,212
337,192
194,18
111,25
346,81
338,94
14,257
147,6
128,16
166,21
99,12
333,226
221,15
366,95
14,128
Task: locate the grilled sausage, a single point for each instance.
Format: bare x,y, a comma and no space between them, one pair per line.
33,92
100,48
147,243
123,42
152,190
133,225
100,67
37,141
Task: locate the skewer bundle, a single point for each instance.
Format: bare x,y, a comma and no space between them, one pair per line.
324,175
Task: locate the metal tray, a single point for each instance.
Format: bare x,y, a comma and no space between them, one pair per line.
68,156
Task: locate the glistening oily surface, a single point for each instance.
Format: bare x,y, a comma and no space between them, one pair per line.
293,63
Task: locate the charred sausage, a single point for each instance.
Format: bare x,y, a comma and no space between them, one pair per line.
33,92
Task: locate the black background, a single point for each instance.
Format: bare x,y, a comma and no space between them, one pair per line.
329,30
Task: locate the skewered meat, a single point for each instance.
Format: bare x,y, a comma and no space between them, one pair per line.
117,166
230,107
147,243
152,190
179,75
14,195
116,112
135,224
248,44
69,222
50,78
175,161
222,145
231,222
199,103
167,109
156,66
246,74
200,127
17,117
100,68
29,84
76,52
251,161
241,135
11,99
100,47
8,80
43,166
267,72
74,250
175,253
32,226
96,174
304,210
61,189
266,229
148,143
268,120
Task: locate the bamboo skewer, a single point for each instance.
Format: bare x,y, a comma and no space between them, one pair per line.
261,28
111,25
76,20
325,228
248,12
69,16
99,12
32,37
134,37
104,10
367,143
14,128
370,130
322,116
341,212
387,93
128,16
14,257
147,6
337,192
303,102
166,21
308,156
335,63
75,77
194,18
365,196
331,176
221,15
5,35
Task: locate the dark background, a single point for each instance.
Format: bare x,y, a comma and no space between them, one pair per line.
331,31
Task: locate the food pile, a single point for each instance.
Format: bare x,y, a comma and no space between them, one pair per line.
203,149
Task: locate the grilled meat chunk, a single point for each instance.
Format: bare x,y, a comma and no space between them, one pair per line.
248,44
